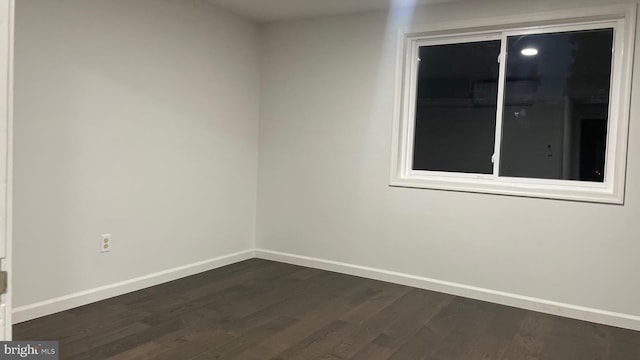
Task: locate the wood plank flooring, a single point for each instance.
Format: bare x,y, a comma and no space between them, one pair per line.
263,310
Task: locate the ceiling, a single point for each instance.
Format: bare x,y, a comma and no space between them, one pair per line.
273,10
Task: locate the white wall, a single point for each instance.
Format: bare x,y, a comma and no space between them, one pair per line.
135,118
325,145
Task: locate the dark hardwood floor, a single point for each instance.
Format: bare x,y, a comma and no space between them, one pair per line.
262,310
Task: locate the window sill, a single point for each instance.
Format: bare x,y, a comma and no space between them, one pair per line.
531,188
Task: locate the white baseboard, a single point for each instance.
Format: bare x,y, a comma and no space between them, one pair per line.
47,307
524,302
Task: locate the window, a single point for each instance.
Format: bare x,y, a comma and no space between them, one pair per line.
532,108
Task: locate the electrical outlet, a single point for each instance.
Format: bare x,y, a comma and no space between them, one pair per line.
105,242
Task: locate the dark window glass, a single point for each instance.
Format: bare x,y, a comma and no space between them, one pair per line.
456,107
556,105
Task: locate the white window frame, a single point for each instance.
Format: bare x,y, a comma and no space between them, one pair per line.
620,17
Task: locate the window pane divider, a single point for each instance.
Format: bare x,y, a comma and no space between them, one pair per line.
500,105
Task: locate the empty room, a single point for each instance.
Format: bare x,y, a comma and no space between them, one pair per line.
320,179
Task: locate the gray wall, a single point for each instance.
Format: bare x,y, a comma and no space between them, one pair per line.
325,148
135,118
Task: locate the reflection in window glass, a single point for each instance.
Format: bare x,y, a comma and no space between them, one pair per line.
456,107
556,105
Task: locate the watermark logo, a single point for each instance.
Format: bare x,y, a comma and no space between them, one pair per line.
29,350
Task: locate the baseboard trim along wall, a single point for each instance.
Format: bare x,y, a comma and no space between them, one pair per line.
47,307
524,302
